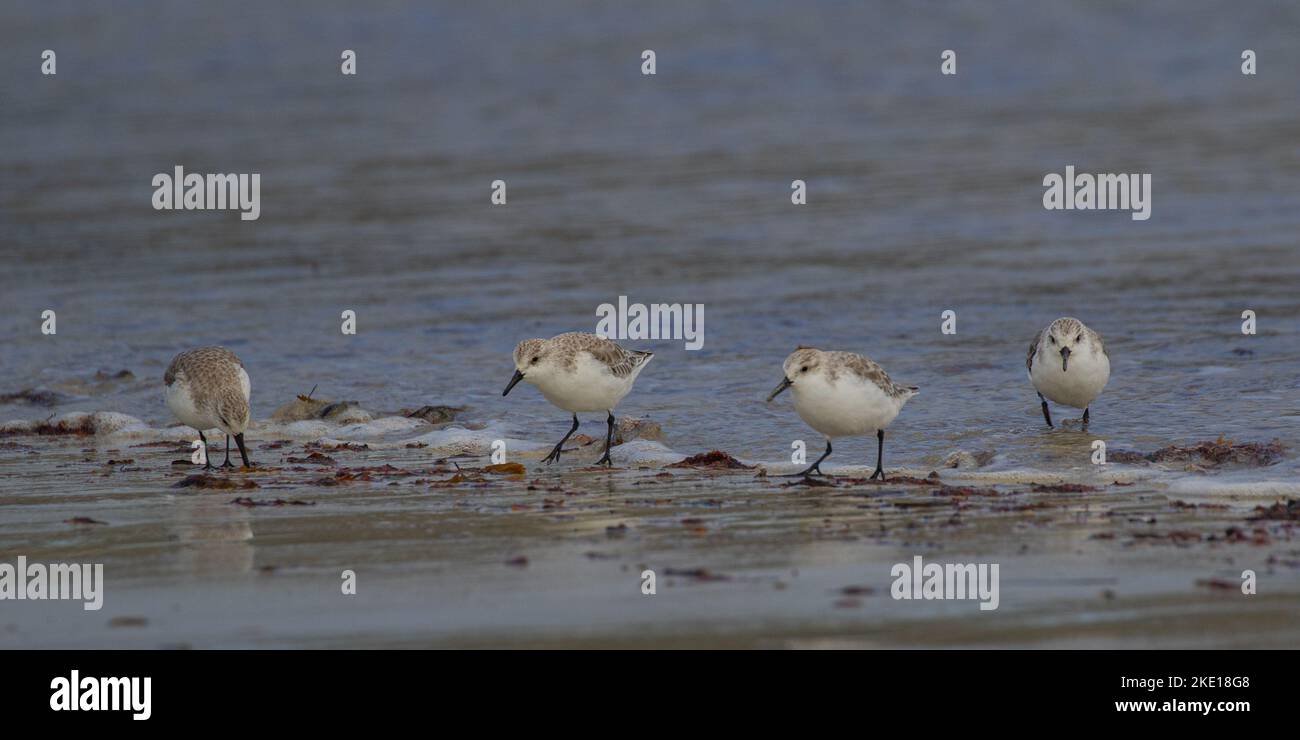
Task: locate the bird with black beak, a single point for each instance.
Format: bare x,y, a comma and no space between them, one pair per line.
579,372
842,394
1068,365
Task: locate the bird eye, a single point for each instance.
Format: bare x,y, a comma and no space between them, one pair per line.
536,359
1079,338
1052,338
803,369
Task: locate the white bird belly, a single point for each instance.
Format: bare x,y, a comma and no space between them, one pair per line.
182,405
847,408
1076,387
590,388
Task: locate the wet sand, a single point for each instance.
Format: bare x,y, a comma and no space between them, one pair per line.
449,556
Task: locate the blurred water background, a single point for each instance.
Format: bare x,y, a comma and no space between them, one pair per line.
924,194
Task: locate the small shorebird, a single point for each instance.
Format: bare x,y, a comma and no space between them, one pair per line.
206,388
1068,364
579,372
842,394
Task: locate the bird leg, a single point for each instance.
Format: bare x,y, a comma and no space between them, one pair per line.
880,455
227,463
1046,414
817,465
207,457
555,453
609,437
243,453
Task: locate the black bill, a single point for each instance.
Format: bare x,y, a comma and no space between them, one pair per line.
785,383
1065,359
518,377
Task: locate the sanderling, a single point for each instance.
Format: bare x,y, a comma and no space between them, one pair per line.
1082,370
579,372
842,394
206,388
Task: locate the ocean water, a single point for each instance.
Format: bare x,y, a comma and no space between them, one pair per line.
924,195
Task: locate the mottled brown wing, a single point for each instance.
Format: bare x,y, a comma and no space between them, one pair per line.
210,354
199,361
870,371
621,362
1033,350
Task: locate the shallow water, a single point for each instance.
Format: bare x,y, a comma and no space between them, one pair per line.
924,195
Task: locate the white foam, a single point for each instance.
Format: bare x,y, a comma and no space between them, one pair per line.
16,426
112,422
313,429
353,416
1099,475
318,430
1265,491
383,426
97,422
642,452
457,440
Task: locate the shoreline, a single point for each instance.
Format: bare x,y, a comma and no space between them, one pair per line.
449,554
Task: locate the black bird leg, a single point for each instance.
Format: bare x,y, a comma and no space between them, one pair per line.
1085,416
243,453
207,457
880,455
1046,414
817,465
555,453
609,438
227,463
